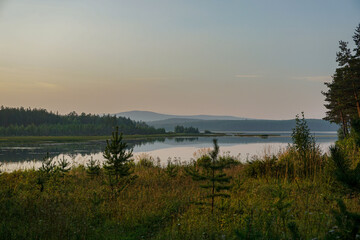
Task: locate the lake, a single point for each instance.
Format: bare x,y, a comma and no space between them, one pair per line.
15,155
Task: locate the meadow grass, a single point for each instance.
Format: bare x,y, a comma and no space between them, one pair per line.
159,205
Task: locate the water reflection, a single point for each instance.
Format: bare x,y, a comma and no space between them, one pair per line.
185,139
18,152
28,155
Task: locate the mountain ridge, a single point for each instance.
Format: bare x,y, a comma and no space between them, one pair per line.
243,125
222,123
149,116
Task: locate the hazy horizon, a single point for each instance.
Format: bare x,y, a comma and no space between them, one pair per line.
263,59
210,115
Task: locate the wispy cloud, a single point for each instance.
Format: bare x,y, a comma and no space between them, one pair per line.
314,78
29,85
47,85
150,78
247,76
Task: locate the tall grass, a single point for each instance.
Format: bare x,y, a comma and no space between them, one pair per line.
287,164
270,199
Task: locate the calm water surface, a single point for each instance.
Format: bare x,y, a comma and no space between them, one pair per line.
182,149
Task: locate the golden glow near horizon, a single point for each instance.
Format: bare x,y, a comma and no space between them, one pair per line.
256,60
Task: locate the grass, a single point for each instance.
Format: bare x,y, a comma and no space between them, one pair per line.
158,205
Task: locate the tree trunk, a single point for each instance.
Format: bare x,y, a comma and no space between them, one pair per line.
213,191
356,99
344,128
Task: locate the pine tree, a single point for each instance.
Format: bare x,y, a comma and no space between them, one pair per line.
117,162
340,107
301,136
348,222
46,169
345,172
343,106
304,144
209,170
343,95
93,168
47,165
63,166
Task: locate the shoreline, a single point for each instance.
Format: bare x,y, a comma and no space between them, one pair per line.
94,138
7,139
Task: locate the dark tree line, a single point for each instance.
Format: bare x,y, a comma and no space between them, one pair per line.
40,122
343,95
182,129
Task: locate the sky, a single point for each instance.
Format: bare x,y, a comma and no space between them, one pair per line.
255,59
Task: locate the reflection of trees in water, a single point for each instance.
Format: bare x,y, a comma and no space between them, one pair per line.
19,152
185,139
141,142
28,152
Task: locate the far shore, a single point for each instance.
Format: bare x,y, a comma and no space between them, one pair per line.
90,138
127,137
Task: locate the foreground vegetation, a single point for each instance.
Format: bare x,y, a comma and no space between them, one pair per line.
156,205
299,193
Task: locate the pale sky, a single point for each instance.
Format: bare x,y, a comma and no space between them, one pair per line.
255,59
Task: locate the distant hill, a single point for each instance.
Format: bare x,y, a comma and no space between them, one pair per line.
242,125
147,116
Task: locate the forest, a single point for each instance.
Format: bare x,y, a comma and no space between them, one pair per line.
40,122
182,129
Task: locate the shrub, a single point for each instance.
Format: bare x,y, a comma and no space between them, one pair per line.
144,160
171,169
